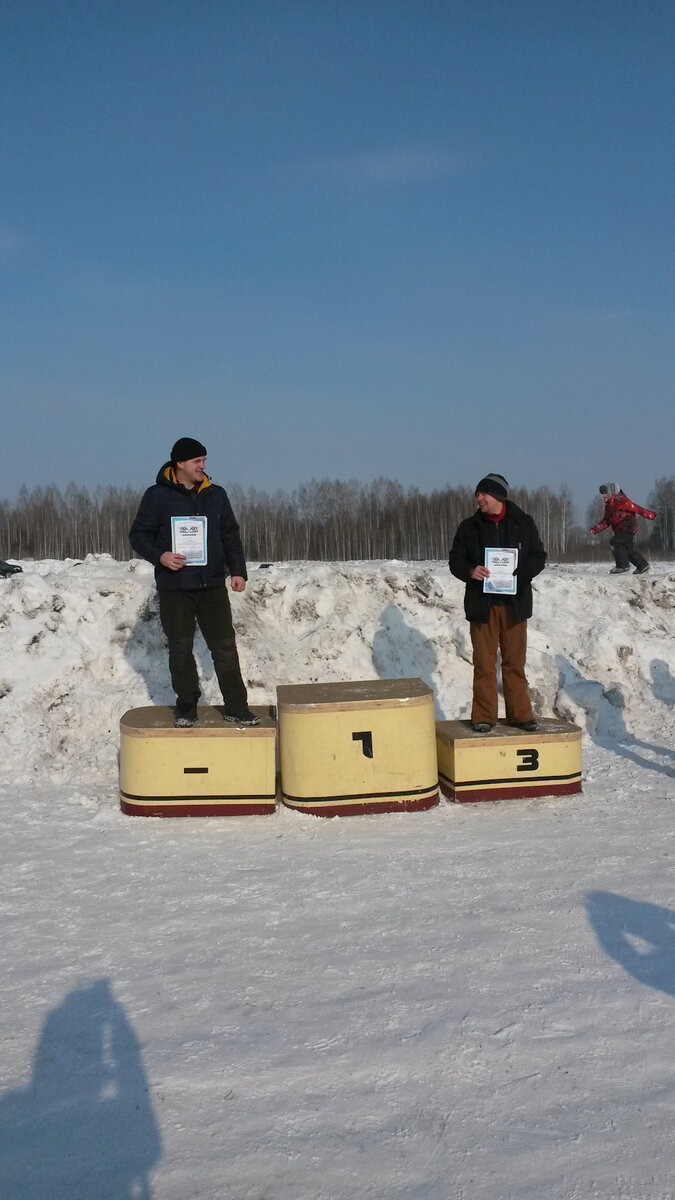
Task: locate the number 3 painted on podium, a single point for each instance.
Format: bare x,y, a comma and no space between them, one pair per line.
530,760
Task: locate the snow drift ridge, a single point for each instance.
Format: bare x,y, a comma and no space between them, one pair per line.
81,643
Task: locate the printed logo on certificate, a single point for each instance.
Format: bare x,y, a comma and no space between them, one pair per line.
501,562
188,537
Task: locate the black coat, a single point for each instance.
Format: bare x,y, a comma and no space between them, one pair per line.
150,534
474,536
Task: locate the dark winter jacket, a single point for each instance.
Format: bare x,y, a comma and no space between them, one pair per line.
478,533
620,515
150,534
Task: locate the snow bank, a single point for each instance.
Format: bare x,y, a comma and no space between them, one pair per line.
80,643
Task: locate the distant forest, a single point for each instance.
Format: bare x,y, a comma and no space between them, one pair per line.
326,520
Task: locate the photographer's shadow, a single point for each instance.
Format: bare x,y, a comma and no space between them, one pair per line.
84,1127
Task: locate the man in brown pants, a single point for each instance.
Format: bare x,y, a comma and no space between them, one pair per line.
498,621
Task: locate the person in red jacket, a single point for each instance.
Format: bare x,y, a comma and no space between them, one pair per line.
619,515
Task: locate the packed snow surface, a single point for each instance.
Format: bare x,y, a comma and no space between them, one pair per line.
469,1003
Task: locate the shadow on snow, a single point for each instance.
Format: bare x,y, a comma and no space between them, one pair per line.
400,651
639,936
606,721
84,1127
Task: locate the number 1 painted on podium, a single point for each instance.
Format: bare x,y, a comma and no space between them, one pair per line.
366,740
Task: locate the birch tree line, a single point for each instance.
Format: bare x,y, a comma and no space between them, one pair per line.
325,520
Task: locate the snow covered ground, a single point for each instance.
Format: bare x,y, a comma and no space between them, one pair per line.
470,1003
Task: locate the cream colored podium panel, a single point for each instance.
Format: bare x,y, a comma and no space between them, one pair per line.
211,769
508,762
360,747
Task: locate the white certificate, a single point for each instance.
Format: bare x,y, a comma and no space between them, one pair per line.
188,537
501,563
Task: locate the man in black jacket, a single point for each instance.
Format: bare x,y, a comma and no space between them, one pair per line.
498,621
194,594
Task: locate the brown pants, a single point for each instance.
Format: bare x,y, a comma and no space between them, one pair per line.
502,632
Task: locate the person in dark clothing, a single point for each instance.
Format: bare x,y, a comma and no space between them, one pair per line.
190,594
498,622
620,516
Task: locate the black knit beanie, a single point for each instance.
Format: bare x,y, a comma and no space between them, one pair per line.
493,485
186,448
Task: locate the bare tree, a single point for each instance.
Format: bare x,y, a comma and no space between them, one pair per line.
662,500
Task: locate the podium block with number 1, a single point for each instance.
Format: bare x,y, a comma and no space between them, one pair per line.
361,747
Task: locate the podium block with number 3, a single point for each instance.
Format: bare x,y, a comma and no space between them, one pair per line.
508,762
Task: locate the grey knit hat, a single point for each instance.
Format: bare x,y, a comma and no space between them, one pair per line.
609,489
493,485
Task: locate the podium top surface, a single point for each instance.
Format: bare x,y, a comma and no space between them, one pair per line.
157,720
365,693
550,729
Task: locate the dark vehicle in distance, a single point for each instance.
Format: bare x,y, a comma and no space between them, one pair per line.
8,569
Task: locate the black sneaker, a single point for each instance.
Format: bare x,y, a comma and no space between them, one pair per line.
481,726
641,570
185,716
619,570
529,726
243,718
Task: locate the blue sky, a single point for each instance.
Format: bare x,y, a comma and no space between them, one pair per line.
338,238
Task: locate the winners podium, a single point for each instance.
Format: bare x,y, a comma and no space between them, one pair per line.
507,762
345,748
361,747
210,769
